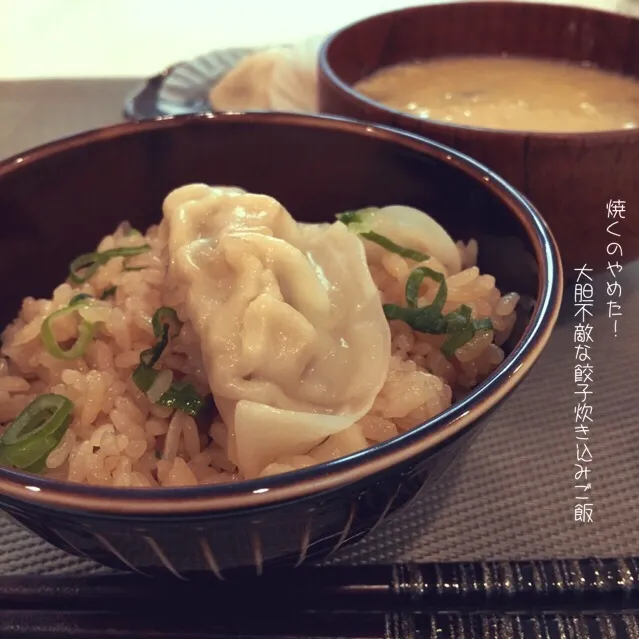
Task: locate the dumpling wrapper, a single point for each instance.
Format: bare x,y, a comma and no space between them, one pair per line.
346,442
414,229
294,80
292,331
276,79
247,87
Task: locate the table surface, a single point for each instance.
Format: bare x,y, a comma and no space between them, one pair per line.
41,39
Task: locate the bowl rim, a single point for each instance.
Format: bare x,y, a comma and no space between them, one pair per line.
333,78
262,492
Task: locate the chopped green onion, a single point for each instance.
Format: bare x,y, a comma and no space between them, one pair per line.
35,432
458,324
42,417
180,395
125,251
85,266
89,263
27,455
390,246
460,329
414,282
356,220
457,320
150,356
86,331
483,325
163,316
79,298
183,397
108,292
144,375
426,319
463,334
350,217
163,320
38,466
457,340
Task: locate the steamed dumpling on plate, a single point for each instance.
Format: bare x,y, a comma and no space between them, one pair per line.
247,87
294,80
277,79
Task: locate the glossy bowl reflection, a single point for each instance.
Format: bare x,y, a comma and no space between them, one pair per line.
57,201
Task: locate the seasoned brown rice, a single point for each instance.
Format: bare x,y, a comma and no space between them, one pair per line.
118,437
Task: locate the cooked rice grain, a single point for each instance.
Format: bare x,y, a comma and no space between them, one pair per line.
119,437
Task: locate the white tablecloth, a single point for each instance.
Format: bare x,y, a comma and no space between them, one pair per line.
42,39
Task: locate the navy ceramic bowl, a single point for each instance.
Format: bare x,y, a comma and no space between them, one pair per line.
57,201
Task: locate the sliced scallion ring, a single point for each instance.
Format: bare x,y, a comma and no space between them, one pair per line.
79,298
414,282
86,331
37,467
35,432
85,266
28,454
42,417
88,263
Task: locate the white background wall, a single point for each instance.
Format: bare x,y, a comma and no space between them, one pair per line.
138,38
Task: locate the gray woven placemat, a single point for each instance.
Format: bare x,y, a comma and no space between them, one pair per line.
512,495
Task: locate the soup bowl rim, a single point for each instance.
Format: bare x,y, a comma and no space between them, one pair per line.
331,76
42,491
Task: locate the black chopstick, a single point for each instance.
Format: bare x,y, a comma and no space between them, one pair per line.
509,586
177,624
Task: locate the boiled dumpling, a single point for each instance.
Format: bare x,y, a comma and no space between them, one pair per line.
414,229
347,442
294,79
291,326
277,79
247,87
